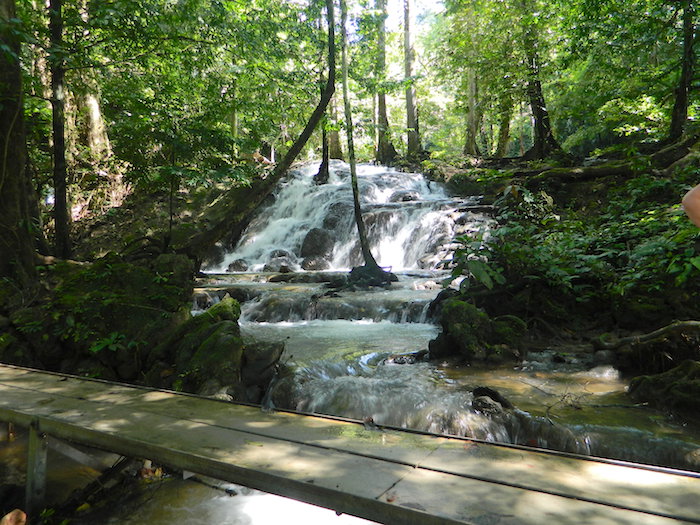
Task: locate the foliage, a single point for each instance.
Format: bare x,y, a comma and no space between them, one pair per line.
639,245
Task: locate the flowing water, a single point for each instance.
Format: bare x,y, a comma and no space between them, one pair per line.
339,344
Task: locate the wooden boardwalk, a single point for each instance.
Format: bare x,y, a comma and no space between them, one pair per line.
388,476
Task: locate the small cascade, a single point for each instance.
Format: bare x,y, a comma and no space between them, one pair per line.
410,221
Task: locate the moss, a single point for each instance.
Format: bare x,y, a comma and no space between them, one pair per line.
470,333
677,389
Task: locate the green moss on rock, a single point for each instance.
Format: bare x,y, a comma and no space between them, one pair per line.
470,333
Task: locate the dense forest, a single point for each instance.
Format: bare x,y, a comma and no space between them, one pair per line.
139,137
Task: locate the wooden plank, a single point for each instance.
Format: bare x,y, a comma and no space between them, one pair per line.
340,465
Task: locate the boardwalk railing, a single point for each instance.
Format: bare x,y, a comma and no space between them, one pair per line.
383,475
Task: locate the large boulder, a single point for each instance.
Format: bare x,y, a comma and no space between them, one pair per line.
317,243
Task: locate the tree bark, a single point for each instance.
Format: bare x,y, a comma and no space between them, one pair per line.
370,262
505,111
413,149
471,148
386,153
60,173
16,239
234,209
336,150
679,114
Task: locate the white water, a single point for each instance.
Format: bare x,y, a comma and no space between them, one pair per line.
410,222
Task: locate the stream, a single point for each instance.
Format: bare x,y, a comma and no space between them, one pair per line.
338,344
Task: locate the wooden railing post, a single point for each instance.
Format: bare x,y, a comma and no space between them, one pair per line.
35,491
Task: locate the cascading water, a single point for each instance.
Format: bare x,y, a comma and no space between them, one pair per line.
410,222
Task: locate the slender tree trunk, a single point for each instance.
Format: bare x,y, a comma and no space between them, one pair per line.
336,150
16,239
679,115
544,141
370,262
505,111
473,115
60,174
414,148
386,153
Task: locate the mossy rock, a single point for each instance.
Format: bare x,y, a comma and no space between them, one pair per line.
470,333
677,390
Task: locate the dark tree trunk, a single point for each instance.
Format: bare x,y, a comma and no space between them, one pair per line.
679,115
323,171
16,240
60,174
386,153
544,141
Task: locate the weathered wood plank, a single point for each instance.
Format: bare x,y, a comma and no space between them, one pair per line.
386,476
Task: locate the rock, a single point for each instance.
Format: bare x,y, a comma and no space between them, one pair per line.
435,307
487,406
239,265
315,263
281,264
368,276
317,243
484,391
407,359
338,214
605,357
404,196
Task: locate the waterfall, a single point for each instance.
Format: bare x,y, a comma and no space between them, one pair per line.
410,222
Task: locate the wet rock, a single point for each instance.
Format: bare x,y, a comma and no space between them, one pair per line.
239,265
495,395
281,261
338,214
605,357
487,406
315,263
435,307
404,196
317,243
407,359
363,276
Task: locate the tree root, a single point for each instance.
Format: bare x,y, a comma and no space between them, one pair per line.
675,328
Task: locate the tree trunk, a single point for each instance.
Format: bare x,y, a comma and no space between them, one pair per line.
473,115
414,150
679,115
370,262
16,240
386,153
336,150
60,174
505,111
544,141
235,209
